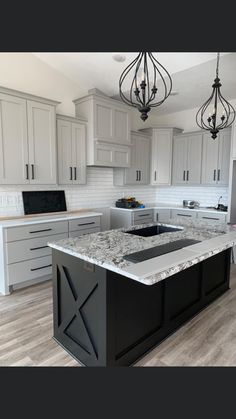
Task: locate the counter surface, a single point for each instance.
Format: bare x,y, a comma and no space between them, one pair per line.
106,249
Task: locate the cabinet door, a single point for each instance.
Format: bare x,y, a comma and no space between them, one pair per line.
194,159
224,157
179,173
64,141
42,142
209,160
13,140
143,160
121,126
131,174
161,157
78,153
103,121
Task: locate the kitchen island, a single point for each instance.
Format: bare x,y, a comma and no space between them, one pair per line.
109,311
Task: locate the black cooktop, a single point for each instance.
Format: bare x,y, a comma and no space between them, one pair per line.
159,250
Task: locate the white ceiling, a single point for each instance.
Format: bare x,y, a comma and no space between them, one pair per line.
192,74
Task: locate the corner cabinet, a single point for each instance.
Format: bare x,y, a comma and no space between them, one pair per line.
71,145
27,139
216,158
139,172
161,154
108,132
187,158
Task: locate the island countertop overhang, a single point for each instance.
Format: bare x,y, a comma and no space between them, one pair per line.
106,249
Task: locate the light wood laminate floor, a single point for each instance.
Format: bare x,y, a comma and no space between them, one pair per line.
209,339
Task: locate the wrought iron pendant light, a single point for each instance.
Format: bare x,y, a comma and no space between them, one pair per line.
143,92
216,113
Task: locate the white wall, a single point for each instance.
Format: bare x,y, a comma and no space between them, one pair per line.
25,72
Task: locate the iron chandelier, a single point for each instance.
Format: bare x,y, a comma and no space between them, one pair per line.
143,88
216,113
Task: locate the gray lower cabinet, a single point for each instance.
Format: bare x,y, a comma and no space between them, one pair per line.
71,142
216,158
27,139
187,157
139,171
25,255
162,215
128,218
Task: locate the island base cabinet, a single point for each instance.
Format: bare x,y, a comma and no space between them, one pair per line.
104,319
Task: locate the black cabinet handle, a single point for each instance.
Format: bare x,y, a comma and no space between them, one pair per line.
136,175
41,267
75,173
40,231
214,176
184,175
86,224
144,215
71,173
37,248
211,218
218,174
32,169
140,174
155,175
27,171
184,215
187,175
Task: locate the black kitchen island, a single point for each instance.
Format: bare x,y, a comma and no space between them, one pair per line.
105,318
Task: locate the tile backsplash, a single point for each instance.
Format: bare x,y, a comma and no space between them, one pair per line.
99,192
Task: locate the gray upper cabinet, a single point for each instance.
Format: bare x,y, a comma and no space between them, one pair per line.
13,140
139,172
42,142
71,137
216,158
161,154
187,157
27,139
108,129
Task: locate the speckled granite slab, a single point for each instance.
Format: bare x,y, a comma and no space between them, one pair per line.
106,249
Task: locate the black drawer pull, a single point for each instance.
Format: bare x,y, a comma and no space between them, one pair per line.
86,224
75,175
211,218
40,231
27,171
41,267
37,248
144,215
32,168
184,215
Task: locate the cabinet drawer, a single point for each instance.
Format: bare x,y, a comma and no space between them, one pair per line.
84,223
78,233
35,230
212,217
30,269
21,250
183,213
142,215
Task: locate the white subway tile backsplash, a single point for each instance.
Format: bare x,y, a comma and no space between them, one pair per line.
99,192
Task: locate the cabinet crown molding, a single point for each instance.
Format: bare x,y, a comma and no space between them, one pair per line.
72,118
28,96
96,93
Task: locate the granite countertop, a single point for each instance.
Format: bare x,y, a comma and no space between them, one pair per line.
106,249
47,218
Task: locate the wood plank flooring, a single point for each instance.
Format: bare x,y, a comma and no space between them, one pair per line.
209,339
